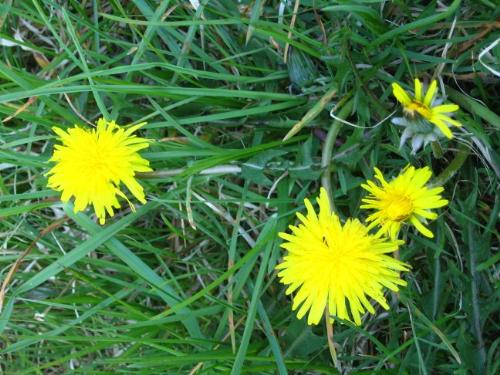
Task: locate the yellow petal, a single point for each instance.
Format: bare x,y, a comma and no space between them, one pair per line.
442,126
445,108
400,94
418,90
430,93
448,119
421,228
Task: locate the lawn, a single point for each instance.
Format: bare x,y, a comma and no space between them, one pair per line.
160,163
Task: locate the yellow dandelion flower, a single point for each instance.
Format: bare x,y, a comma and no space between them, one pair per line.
90,165
427,107
335,265
406,199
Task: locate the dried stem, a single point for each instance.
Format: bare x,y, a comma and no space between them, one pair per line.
331,344
326,160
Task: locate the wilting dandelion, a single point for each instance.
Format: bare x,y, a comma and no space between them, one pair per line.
405,199
425,118
335,265
91,165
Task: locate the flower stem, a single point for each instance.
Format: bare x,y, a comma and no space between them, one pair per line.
453,167
326,157
331,344
326,182
437,150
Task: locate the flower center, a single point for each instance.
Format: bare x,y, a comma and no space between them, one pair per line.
96,162
416,107
399,208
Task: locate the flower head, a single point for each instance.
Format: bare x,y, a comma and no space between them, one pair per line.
406,199
90,165
419,131
421,109
335,265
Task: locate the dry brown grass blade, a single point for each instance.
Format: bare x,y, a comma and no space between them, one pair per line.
82,117
292,24
17,263
20,109
42,61
486,29
312,113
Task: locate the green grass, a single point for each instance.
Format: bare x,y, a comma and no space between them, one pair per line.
187,284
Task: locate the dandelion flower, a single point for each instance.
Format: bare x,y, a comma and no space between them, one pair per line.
421,108
335,265
405,199
90,166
